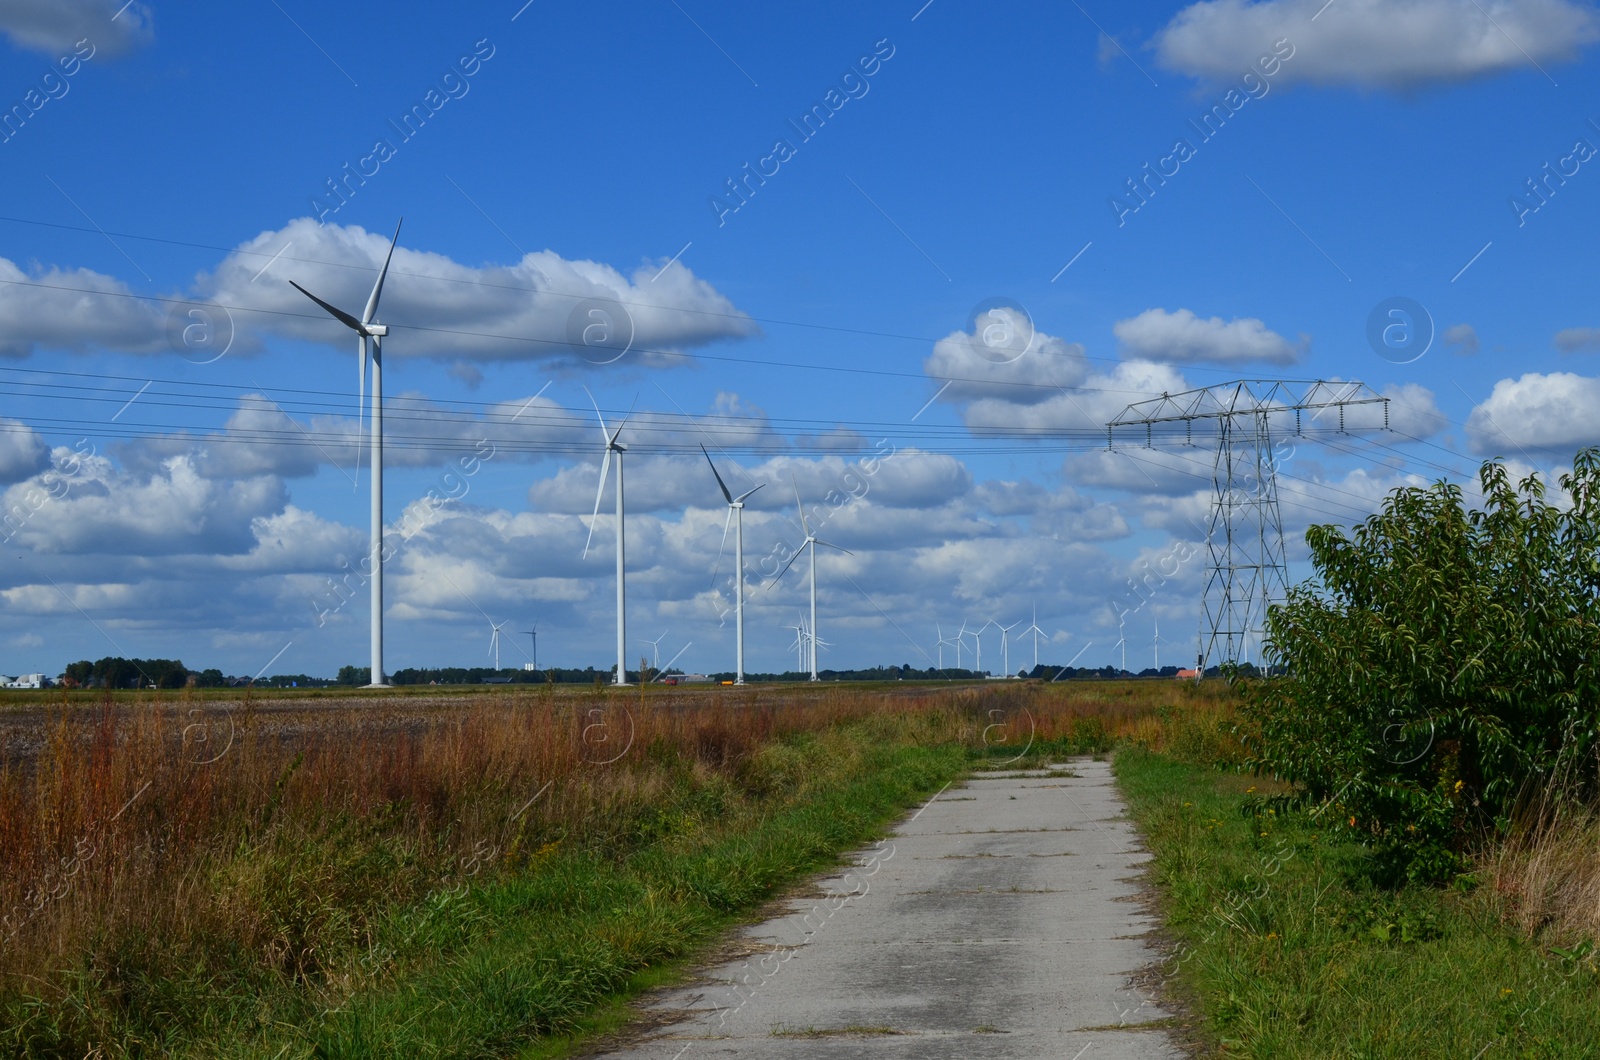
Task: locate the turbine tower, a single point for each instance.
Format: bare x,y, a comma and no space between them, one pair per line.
736,513
811,543
609,438
1247,569
368,328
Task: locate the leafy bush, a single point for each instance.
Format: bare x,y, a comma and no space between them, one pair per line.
1440,665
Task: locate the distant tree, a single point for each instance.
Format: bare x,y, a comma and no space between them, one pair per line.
354,675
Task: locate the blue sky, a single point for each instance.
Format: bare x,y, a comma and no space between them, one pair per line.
1372,149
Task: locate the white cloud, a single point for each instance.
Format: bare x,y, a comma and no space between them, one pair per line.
73,309
23,453
1394,44
1183,338
1558,410
55,26
532,309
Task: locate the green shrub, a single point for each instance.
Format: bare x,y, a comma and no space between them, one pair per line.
1440,665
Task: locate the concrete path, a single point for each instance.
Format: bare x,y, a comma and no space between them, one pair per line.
998,921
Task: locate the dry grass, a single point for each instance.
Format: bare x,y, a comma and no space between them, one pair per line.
1547,872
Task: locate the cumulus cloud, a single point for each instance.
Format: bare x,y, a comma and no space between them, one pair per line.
542,307
74,309
1390,44
54,27
1049,387
1558,410
1183,338
1463,337
1578,340
23,453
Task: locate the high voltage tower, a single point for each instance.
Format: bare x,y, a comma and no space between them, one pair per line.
1247,569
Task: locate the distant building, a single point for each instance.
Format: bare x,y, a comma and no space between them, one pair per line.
1188,675
25,681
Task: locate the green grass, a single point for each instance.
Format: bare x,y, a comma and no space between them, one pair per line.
526,962
1283,947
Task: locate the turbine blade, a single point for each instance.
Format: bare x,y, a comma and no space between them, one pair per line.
334,311
786,566
836,548
599,495
361,398
747,493
377,288
799,506
723,486
726,523
605,435
675,657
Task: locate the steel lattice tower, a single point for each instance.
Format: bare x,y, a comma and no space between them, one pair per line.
1246,569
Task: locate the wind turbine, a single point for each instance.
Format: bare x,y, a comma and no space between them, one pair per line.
1122,645
1037,633
655,650
534,633
960,642
366,328
799,645
939,632
1005,654
811,542
1155,642
612,446
494,642
736,513
977,642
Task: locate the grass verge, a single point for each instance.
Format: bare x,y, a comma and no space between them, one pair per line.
1283,946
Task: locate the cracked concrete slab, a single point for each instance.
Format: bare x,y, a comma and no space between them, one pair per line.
999,920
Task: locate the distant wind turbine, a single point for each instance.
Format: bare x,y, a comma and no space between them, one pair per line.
1037,633
655,650
534,633
736,513
494,642
368,328
811,543
1005,654
610,437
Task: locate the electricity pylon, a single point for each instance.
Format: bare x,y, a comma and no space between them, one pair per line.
1246,570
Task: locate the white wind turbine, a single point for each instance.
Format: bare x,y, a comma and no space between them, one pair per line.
960,642
736,513
939,632
1037,633
799,645
977,648
655,650
494,642
1155,642
612,446
367,328
1122,645
811,543
1005,654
